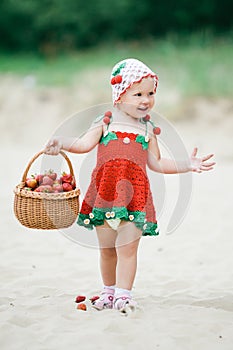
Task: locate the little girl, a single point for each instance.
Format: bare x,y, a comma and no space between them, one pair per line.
118,202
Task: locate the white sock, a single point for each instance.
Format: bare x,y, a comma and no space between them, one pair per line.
122,291
111,287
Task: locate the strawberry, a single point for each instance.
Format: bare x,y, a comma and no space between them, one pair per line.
52,174
118,79
47,181
80,298
31,183
57,187
67,187
47,188
113,81
38,189
82,306
67,178
39,178
44,188
94,298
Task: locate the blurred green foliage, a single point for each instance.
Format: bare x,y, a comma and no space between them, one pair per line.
52,26
199,65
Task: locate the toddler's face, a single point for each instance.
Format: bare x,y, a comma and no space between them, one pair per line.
138,100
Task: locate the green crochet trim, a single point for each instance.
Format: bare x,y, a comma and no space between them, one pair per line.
99,215
141,139
150,229
112,136
106,139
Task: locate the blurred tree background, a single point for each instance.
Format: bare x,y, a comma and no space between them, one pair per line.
52,26
56,57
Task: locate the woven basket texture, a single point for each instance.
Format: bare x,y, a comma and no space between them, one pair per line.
46,211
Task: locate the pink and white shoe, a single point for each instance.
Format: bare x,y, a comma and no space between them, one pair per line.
124,304
105,300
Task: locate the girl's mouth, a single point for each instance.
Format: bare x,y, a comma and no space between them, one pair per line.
143,109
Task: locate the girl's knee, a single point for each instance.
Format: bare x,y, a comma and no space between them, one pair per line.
128,250
108,253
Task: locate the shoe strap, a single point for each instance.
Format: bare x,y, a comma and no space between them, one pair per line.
108,291
123,297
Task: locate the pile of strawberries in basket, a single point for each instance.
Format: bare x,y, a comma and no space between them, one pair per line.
49,182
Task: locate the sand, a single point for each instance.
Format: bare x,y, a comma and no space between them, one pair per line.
184,282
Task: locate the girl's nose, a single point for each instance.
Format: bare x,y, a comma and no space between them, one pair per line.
145,99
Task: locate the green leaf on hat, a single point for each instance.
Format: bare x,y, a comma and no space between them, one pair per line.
118,70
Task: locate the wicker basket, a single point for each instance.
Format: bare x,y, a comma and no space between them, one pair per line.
46,211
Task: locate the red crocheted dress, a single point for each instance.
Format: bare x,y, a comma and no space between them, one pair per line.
119,185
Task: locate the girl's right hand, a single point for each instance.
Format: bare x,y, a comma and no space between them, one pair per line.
53,147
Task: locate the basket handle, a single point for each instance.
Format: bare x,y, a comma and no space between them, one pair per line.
39,154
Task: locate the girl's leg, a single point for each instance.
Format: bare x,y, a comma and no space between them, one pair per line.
108,257
118,262
126,248
108,260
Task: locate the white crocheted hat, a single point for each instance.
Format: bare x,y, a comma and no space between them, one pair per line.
127,72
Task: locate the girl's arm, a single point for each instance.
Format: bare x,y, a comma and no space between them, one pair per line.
170,166
83,144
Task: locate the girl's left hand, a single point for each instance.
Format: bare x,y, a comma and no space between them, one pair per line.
199,164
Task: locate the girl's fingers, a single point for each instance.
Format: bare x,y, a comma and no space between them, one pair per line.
208,164
53,147
51,151
200,164
194,152
206,168
207,157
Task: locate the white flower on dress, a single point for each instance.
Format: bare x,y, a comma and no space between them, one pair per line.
86,221
126,140
108,215
131,217
91,215
144,226
112,214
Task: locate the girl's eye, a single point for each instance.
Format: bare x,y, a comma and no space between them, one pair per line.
151,93
138,94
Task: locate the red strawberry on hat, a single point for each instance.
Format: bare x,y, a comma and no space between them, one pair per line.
113,82
116,80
